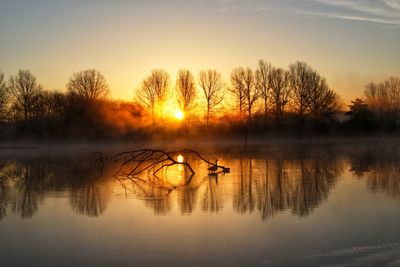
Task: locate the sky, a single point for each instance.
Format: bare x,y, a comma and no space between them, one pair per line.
350,42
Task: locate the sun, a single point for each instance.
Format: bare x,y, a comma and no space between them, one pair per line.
179,115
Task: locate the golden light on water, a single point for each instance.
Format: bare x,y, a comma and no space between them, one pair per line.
180,158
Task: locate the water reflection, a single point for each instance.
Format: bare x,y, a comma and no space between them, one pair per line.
261,182
90,199
154,196
273,185
26,182
22,187
211,197
381,168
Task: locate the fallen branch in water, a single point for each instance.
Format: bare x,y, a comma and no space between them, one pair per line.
155,160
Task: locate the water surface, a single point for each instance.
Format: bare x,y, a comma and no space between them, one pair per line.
283,205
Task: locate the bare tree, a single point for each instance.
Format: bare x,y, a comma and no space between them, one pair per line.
244,87
186,90
384,98
280,91
213,88
153,90
392,86
24,90
49,104
301,76
376,97
4,96
250,92
237,88
88,84
322,99
263,84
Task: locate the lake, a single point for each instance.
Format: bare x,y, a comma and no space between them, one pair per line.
284,204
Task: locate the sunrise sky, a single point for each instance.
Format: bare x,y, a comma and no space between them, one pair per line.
351,42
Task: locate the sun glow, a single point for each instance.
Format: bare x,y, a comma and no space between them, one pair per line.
170,110
179,115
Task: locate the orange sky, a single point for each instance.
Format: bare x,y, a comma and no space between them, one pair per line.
350,42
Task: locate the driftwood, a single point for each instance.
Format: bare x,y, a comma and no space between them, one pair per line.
153,161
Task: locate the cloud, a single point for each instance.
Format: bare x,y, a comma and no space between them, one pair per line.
353,18
384,12
373,11
395,4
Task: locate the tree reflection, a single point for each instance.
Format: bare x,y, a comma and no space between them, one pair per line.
24,183
155,196
90,199
158,193
3,190
298,185
316,178
386,178
380,167
24,188
243,199
212,199
264,183
89,195
187,196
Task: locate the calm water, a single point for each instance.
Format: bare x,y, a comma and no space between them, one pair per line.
281,205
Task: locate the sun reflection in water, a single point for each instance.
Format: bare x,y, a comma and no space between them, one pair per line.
180,158
176,174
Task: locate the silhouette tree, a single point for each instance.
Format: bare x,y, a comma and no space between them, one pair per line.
24,90
301,76
4,97
237,88
186,90
280,91
89,85
250,92
213,88
376,97
361,116
153,90
49,104
322,99
384,100
244,89
55,103
392,85
263,84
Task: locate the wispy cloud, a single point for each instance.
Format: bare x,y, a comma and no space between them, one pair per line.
353,18
226,5
384,12
373,11
395,4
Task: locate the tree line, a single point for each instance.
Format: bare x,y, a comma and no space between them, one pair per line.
266,90
265,99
